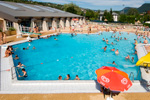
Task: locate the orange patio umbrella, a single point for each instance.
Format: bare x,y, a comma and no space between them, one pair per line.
113,78
75,19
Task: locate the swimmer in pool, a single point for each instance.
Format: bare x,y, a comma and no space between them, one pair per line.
103,39
71,34
113,49
136,42
117,52
24,73
104,48
114,63
106,40
68,77
60,77
55,39
33,48
125,38
20,65
135,52
132,59
16,57
26,48
145,41
77,78
127,57
112,43
121,38
140,42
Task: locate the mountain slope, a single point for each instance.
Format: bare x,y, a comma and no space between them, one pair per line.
144,8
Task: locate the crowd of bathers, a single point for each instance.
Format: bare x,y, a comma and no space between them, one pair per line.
117,39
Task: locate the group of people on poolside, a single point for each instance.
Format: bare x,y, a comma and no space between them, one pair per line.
8,52
68,77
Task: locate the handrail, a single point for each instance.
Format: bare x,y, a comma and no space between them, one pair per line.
130,76
137,74
12,72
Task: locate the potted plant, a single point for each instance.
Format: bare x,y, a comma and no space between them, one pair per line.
12,31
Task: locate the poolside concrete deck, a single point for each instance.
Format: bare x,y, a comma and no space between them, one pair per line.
10,86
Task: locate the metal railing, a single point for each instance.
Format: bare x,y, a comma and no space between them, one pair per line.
12,72
132,77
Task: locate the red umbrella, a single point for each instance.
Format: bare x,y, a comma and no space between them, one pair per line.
75,19
113,78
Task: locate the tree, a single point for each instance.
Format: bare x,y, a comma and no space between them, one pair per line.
89,14
123,18
133,11
72,8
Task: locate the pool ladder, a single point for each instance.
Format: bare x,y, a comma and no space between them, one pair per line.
131,74
132,77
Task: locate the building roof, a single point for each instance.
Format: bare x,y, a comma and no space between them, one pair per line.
11,11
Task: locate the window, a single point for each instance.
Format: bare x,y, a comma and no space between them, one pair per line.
45,8
30,7
9,24
10,6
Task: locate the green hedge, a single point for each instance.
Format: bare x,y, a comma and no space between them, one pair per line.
1,30
12,29
146,24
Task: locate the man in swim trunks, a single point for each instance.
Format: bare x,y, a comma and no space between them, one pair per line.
104,48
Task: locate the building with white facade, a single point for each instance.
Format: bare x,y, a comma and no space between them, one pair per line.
115,16
27,15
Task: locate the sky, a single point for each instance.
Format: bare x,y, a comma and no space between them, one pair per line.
101,4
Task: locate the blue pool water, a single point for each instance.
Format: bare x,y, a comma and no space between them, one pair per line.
79,55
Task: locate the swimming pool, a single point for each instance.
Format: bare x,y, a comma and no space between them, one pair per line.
79,55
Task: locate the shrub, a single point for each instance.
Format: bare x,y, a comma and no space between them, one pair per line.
1,30
12,29
146,24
